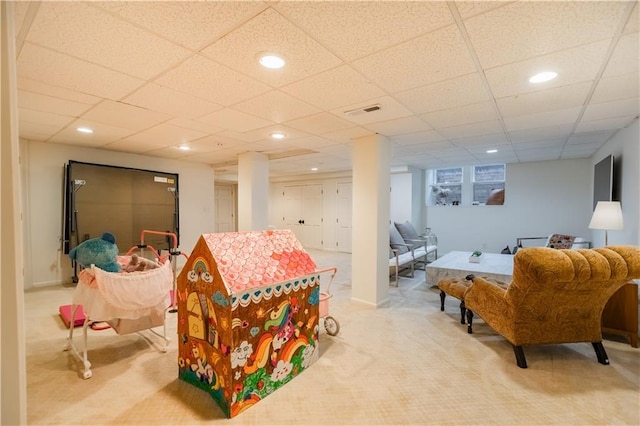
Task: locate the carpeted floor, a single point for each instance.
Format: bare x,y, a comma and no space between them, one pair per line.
407,363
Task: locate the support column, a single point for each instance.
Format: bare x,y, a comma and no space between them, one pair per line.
370,231
13,391
253,191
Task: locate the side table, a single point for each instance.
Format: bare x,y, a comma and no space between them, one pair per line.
620,314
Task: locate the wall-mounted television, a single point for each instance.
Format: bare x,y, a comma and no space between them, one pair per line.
603,180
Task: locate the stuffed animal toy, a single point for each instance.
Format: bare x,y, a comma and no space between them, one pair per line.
137,263
101,252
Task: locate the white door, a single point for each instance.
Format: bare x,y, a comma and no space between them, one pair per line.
312,206
302,213
292,210
225,208
344,216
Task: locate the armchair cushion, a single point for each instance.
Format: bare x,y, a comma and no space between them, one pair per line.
396,241
407,231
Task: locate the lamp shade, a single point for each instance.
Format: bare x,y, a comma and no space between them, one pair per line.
607,215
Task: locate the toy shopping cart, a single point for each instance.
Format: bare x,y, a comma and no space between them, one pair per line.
331,326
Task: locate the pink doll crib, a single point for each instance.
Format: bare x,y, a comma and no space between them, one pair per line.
128,302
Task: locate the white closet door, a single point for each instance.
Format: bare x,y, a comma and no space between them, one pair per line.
302,213
225,208
344,216
312,205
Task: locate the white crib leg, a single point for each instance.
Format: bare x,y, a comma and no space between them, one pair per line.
86,374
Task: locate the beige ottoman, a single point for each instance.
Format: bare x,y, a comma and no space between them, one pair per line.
456,287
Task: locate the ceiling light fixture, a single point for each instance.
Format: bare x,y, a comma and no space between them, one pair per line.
314,169
269,60
84,130
278,135
184,147
492,151
543,76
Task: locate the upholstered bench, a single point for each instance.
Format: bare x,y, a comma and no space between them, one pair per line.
458,287
455,287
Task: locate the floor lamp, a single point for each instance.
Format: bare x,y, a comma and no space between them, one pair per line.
607,216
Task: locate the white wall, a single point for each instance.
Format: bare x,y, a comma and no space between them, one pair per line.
541,198
43,164
624,146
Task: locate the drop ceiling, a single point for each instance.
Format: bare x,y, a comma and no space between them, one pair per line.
451,79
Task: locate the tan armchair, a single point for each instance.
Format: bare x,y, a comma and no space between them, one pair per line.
555,296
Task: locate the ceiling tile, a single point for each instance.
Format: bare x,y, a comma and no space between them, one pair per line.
434,57
573,66
56,69
208,80
399,126
102,133
541,133
234,120
549,143
154,97
448,94
192,24
489,139
468,9
264,133
590,138
615,123
118,114
270,32
616,88
319,123
633,24
194,125
542,119
29,85
347,135
44,103
472,130
368,26
164,135
84,32
622,108
334,88
36,131
44,117
474,113
544,100
140,147
539,154
523,30
626,56
312,142
389,109
276,106
424,137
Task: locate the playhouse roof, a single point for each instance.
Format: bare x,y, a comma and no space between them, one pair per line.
247,260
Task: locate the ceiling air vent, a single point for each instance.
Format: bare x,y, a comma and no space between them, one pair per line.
363,110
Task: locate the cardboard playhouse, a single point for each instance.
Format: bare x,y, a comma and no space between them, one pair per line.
247,315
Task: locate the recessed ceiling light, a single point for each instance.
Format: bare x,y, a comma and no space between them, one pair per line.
314,169
84,130
278,135
269,60
184,147
543,76
492,151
